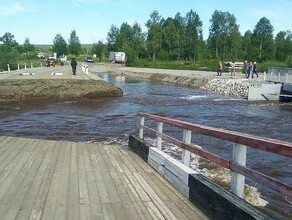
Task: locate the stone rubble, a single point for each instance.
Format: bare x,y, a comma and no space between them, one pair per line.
231,87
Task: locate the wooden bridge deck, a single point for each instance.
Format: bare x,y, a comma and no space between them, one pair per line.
42,179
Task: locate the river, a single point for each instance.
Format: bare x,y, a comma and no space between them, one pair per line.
113,119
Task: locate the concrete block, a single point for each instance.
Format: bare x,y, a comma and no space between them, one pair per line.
266,92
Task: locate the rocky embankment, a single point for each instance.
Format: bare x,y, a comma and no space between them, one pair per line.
52,89
231,87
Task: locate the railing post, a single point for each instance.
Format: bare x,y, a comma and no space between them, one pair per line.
18,66
24,65
159,140
186,155
142,121
8,67
237,180
31,66
265,76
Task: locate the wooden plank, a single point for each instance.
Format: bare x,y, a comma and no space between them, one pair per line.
4,144
63,189
12,200
94,199
49,210
84,206
53,177
28,201
153,210
184,207
167,213
123,186
14,148
127,167
115,199
130,211
41,197
73,197
11,170
170,193
97,167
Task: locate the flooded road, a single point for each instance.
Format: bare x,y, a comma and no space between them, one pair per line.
115,118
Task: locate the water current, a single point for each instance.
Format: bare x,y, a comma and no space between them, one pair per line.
113,119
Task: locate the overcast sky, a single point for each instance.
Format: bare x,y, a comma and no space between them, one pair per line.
41,20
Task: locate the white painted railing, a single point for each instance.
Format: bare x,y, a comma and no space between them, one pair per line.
25,66
237,165
278,74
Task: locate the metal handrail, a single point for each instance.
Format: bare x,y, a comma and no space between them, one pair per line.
237,164
278,74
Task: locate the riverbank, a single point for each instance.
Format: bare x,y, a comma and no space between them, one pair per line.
232,86
51,90
53,84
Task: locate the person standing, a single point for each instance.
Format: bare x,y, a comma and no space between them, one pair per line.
255,69
73,65
219,69
250,70
233,68
246,67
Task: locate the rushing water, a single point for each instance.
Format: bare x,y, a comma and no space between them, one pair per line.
115,119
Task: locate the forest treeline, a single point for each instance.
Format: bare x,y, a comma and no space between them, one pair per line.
173,39
181,38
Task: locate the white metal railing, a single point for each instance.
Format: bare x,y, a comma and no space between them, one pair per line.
237,165
278,74
25,66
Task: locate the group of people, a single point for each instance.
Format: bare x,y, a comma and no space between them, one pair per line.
250,69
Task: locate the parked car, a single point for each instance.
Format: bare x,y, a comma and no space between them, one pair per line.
41,55
50,62
88,60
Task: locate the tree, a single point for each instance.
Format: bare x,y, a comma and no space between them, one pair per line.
246,46
8,39
138,40
98,49
74,45
194,37
27,46
283,44
8,42
169,38
124,36
224,36
112,38
262,40
154,38
60,45
180,36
